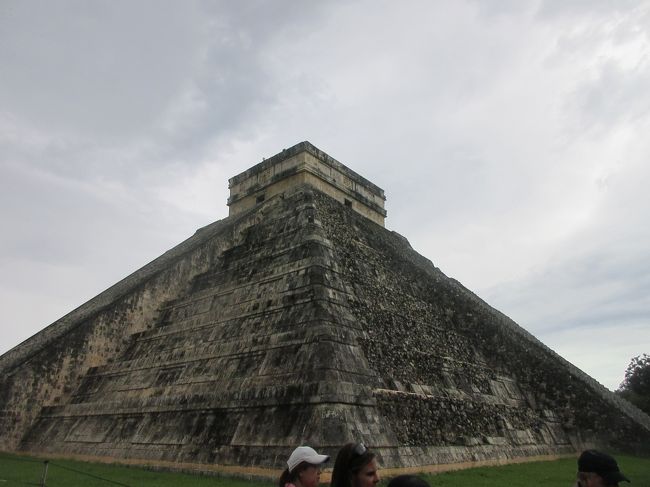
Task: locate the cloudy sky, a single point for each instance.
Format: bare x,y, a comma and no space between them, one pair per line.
511,138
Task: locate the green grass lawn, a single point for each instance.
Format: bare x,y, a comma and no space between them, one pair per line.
18,470
554,473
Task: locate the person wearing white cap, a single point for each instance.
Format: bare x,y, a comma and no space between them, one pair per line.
303,468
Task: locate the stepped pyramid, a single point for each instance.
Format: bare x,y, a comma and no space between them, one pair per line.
299,319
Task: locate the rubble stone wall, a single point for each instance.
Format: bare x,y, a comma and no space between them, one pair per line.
456,372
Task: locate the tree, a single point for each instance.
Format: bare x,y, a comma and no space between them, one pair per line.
636,385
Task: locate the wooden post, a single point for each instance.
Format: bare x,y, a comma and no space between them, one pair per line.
44,473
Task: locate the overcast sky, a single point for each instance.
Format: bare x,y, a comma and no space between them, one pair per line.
511,138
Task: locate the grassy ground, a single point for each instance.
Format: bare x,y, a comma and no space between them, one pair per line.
555,473
18,470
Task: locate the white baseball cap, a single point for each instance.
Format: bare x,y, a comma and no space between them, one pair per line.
305,454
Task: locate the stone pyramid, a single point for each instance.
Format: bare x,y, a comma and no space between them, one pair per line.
299,319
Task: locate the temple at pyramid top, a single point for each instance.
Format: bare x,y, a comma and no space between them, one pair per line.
305,164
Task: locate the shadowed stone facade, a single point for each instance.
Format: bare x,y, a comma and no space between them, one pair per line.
299,320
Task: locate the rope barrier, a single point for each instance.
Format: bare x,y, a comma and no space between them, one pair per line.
28,460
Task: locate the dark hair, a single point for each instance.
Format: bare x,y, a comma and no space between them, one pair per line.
349,460
408,481
287,476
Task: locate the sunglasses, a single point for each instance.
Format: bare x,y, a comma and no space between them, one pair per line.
359,449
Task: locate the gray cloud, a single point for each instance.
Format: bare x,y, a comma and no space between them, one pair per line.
510,139
584,9
95,67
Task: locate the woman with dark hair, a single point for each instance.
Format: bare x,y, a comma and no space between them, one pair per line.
303,468
355,466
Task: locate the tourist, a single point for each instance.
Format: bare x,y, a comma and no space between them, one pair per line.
303,468
408,481
355,466
597,469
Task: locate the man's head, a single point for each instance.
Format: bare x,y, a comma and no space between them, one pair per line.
597,469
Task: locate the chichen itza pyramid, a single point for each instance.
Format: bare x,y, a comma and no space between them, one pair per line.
299,319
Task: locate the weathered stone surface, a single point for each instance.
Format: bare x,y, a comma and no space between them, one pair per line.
305,164
299,321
